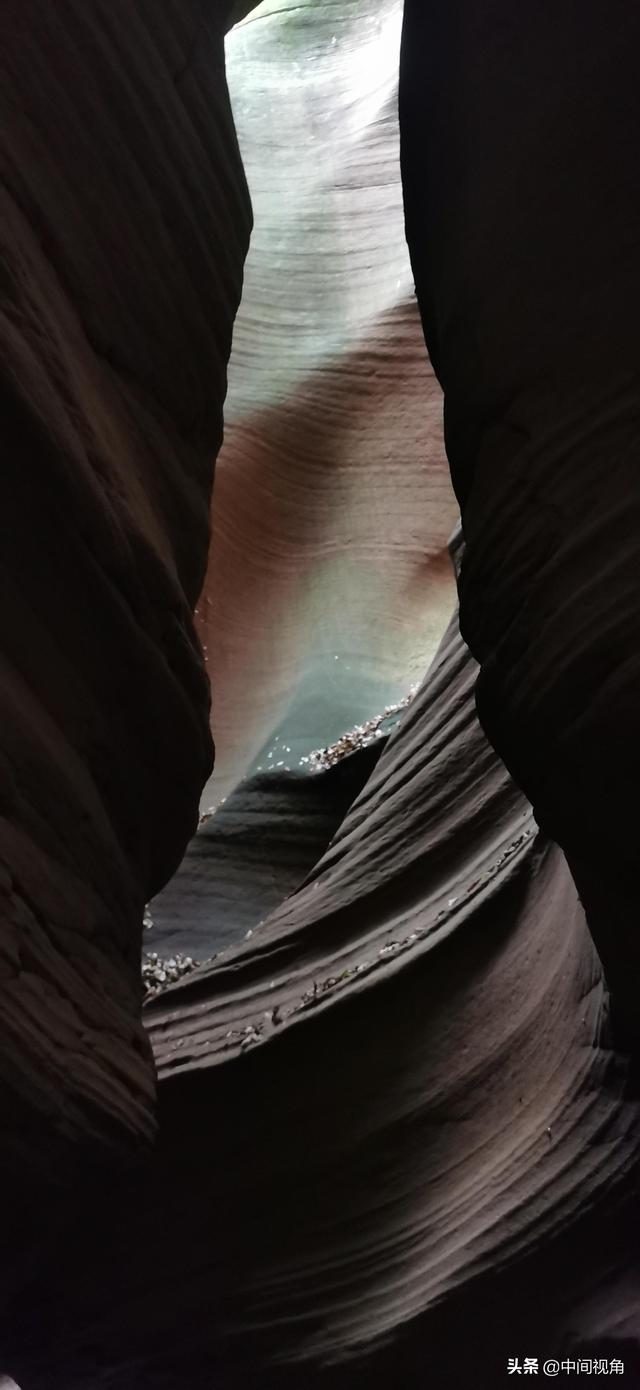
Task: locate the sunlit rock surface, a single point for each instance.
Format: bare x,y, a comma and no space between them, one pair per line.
396,1143
328,586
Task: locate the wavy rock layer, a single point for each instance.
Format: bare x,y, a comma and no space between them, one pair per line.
392,1114
332,509
520,132
125,224
395,1143
252,853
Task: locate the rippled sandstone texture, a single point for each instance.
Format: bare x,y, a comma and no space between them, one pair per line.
393,1135
125,221
329,584
395,1143
520,137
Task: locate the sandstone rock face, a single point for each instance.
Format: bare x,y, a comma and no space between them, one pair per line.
125,223
256,850
520,132
390,1115
329,578
395,1141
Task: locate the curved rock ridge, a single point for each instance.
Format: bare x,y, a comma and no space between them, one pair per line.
409,1085
383,841
395,1142
251,853
393,1113
520,131
333,503
125,221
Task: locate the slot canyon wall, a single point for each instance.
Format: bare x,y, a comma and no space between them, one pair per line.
394,1136
125,224
528,280
329,584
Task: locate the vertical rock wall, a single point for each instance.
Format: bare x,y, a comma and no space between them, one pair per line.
329,584
520,138
125,221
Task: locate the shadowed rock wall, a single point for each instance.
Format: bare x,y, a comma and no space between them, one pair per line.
396,1142
125,221
520,136
390,1118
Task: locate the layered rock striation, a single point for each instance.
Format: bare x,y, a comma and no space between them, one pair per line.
329,585
520,131
395,1140
125,223
392,1113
